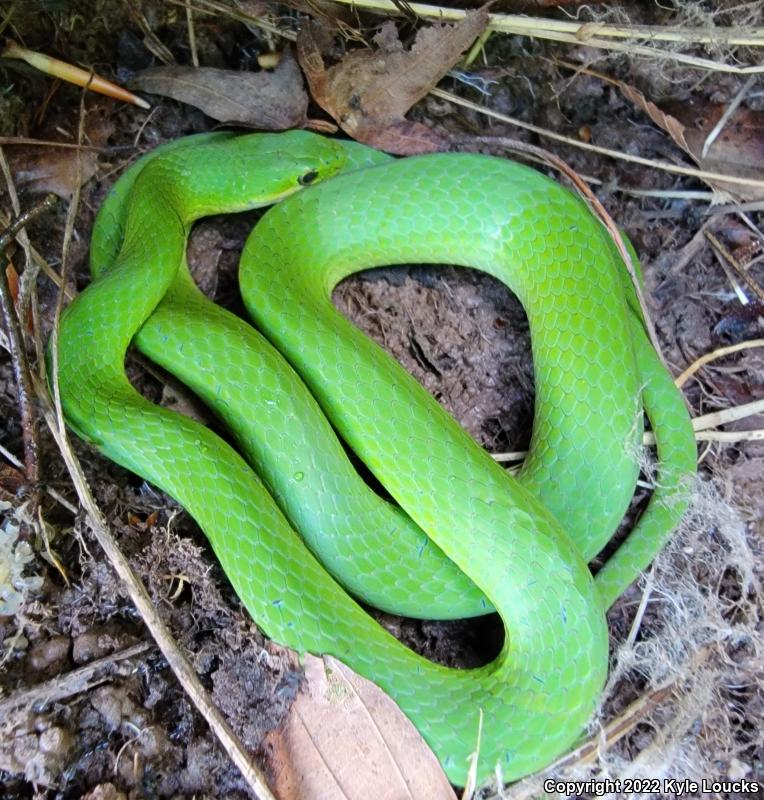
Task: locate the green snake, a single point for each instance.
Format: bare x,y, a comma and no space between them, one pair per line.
463,536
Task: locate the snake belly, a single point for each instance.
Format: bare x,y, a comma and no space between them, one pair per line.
593,368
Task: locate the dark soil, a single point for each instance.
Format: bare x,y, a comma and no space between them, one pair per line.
133,733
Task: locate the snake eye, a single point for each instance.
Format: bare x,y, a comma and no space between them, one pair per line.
308,177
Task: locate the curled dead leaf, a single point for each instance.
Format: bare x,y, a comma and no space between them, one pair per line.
49,170
737,151
369,92
59,170
264,100
345,739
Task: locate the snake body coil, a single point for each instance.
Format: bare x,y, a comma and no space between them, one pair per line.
469,537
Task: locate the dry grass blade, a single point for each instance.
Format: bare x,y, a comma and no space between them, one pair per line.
583,31
712,356
727,415
649,162
181,666
597,34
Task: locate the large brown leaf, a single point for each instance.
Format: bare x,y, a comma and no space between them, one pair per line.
40,169
345,739
264,100
737,151
369,92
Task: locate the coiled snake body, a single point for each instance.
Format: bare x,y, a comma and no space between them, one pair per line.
469,537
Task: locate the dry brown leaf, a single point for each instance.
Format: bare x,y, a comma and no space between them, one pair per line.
673,127
370,90
11,481
272,101
51,169
738,150
345,739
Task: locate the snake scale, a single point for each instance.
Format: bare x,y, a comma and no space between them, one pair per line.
463,536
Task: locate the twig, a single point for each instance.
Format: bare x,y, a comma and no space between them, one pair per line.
48,143
74,682
728,258
713,355
730,437
24,219
37,260
647,592
594,34
713,134
178,662
21,373
583,32
700,425
649,162
191,34
726,415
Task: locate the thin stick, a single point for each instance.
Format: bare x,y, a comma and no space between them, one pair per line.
730,437
5,453
21,373
191,34
712,356
72,683
180,665
49,143
713,134
702,433
663,165
726,415
643,601
722,251
727,437
24,219
736,287
593,34
583,31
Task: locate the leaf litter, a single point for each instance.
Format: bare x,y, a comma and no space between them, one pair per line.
202,617
369,91
270,100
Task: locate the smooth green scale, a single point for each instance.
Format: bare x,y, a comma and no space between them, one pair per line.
536,696
362,540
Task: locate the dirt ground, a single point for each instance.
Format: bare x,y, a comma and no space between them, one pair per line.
693,664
